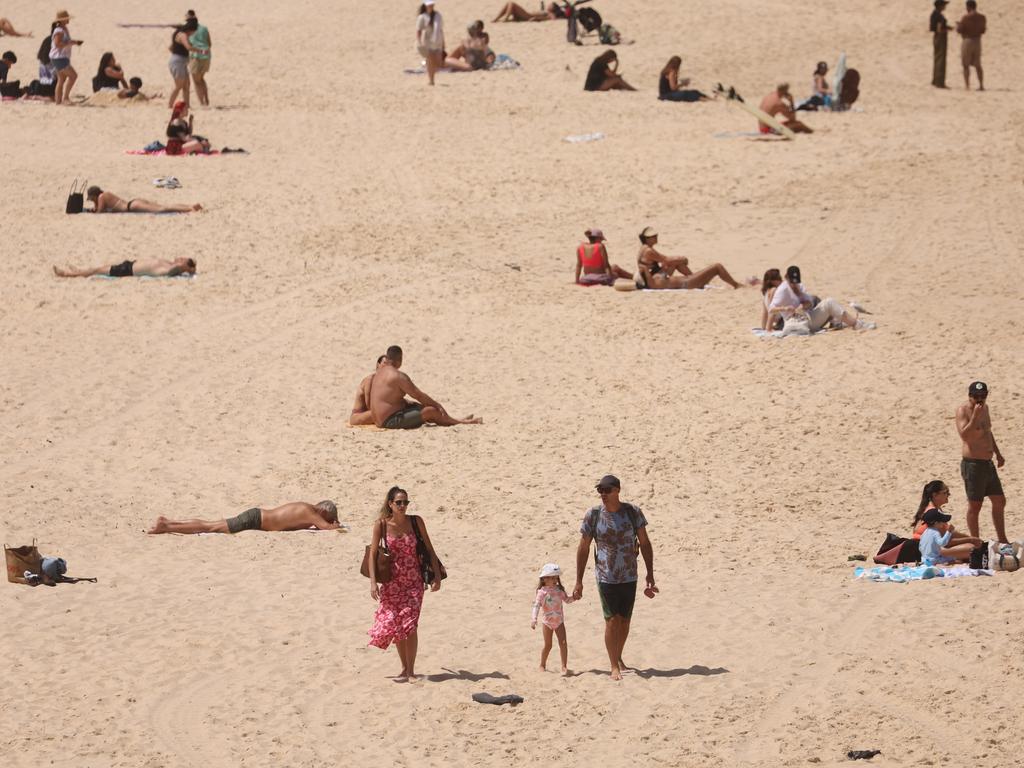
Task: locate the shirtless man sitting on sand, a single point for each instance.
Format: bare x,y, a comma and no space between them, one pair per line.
108,202
361,415
390,408
976,467
136,268
296,516
779,104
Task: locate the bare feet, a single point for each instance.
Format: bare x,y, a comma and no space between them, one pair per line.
543,668
60,272
616,674
565,672
197,207
160,526
471,419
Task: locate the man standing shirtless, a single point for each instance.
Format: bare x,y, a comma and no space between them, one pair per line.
976,466
136,268
779,104
391,410
295,516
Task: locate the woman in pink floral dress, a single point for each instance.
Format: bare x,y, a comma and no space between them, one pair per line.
400,599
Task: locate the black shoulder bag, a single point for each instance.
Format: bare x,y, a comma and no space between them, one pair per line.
423,553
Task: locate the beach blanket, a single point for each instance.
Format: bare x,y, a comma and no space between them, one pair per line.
502,62
917,573
342,528
163,153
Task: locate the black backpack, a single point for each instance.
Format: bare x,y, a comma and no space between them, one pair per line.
76,200
896,549
589,19
44,49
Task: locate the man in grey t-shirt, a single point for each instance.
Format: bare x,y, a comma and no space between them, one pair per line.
615,527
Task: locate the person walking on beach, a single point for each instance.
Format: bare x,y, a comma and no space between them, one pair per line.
617,530
939,28
391,410
430,38
400,599
981,479
199,60
971,27
547,606
178,63
61,44
295,516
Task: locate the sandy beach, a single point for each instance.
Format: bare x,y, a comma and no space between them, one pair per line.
372,210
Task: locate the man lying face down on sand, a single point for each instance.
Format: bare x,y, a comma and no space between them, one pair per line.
136,268
388,389
295,516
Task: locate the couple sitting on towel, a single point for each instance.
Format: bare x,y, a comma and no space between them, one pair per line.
655,271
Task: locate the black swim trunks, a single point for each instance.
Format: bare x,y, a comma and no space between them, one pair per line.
980,479
250,520
124,269
617,599
409,417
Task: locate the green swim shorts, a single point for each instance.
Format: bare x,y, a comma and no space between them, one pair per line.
250,520
409,417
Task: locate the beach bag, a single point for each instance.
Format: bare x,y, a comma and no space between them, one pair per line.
76,200
896,549
609,35
850,88
11,90
21,559
589,19
383,558
979,556
1004,557
423,553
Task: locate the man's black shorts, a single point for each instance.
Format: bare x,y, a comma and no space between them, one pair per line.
980,479
617,599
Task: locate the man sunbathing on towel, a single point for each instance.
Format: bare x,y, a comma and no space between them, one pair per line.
137,268
296,516
361,415
108,202
779,104
391,410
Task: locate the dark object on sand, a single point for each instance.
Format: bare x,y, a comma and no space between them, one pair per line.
486,698
857,557
863,754
850,89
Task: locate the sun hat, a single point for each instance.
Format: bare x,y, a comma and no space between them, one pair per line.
63,16
550,569
595,233
649,232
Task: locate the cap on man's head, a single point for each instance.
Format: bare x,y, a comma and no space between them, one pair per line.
9,56
793,274
594,233
941,3
934,516
550,569
609,481
978,389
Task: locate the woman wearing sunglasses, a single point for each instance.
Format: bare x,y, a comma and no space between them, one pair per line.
400,599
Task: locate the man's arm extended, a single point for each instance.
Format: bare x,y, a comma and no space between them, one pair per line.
647,552
410,389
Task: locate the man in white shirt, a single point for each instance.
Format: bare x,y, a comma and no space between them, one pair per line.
790,298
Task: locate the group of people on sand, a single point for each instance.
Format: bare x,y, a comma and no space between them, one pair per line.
940,543
473,53
971,27
787,299
655,271
388,399
190,50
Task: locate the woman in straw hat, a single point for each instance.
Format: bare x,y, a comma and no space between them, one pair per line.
61,44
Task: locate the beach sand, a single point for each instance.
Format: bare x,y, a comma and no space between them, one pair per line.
374,211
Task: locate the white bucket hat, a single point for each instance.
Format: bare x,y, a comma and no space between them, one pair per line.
550,569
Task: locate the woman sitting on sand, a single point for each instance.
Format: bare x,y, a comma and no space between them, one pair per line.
180,140
516,12
109,74
6,28
474,52
671,86
592,265
603,74
770,320
935,496
659,272
108,202
821,93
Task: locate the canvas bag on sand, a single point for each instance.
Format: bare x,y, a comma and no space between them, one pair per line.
999,560
21,559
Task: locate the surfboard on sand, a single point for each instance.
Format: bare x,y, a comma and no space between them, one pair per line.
733,98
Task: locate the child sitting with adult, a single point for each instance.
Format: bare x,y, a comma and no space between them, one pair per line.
658,272
934,497
109,75
592,266
474,52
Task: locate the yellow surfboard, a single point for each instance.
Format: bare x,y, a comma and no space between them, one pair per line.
765,118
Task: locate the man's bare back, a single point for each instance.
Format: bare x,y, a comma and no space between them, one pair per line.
387,393
294,516
773,104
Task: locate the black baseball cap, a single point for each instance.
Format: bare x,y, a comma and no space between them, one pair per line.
934,516
609,481
941,3
793,274
978,389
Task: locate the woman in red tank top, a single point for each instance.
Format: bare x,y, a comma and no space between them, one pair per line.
592,267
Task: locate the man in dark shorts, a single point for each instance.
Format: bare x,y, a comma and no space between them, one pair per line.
388,391
136,268
976,466
296,516
615,527
939,28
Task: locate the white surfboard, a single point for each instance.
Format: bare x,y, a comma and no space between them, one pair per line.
765,118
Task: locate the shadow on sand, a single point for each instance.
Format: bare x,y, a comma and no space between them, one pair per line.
647,674
462,674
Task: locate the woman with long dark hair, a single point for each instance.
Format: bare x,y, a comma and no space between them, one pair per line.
430,38
770,320
109,74
671,87
178,63
400,599
934,496
604,74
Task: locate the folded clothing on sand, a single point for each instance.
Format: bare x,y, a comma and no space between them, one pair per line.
917,573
